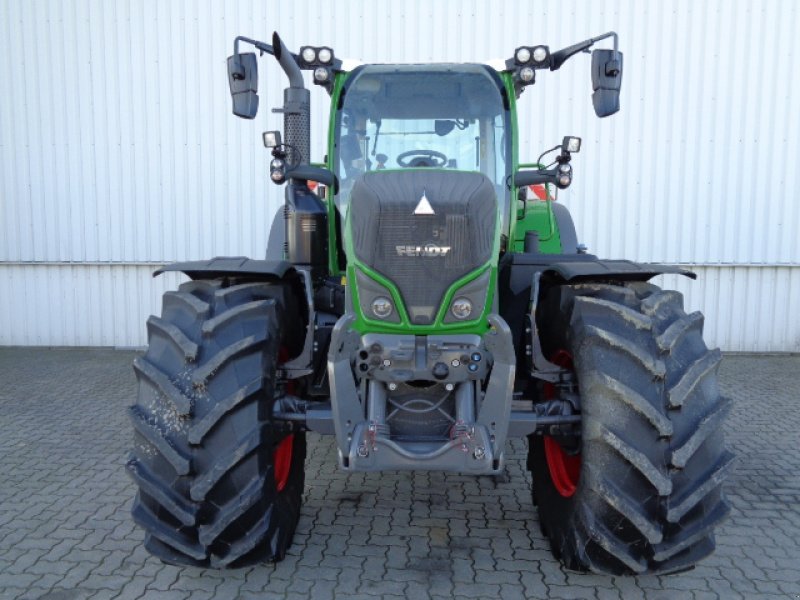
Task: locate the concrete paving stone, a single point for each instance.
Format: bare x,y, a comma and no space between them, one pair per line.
497,577
65,507
164,578
35,593
382,588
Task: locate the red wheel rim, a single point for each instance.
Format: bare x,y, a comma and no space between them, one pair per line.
282,461
565,469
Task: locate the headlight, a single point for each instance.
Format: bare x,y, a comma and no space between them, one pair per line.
539,54
325,55
469,300
461,308
523,55
382,307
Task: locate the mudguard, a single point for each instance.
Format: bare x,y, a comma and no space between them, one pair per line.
516,272
223,266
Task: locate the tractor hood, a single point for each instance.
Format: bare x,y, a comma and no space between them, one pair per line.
423,230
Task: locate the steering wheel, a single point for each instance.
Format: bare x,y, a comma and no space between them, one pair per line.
422,158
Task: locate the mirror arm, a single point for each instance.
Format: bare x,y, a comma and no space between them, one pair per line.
286,59
260,45
561,56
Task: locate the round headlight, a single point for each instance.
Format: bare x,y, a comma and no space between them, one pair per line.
565,180
382,307
564,168
277,175
309,55
539,53
321,74
526,75
276,163
325,55
461,308
523,55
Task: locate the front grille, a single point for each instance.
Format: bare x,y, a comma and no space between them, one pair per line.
409,248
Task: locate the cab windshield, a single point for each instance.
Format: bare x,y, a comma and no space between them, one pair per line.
421,116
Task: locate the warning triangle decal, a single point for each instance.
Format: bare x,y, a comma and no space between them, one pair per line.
424,207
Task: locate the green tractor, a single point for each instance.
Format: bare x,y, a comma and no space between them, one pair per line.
418,305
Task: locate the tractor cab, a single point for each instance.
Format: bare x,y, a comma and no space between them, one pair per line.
451,117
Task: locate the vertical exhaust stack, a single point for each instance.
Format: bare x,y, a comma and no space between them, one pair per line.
296,107
305,215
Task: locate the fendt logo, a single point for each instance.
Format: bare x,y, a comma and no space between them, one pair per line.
428,250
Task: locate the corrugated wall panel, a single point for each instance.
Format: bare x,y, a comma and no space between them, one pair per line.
79,305
117,143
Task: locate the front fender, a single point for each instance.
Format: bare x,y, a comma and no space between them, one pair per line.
226,266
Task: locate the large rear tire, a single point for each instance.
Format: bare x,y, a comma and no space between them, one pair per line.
644,494
220,482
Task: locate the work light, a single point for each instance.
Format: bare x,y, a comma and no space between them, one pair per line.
309,54
540,54
272,139
321,74
571,144
526,75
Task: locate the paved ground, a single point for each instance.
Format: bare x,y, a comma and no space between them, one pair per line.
65,532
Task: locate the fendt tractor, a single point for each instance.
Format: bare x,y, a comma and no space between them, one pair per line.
423,299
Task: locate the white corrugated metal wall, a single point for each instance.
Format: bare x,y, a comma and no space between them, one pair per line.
118,150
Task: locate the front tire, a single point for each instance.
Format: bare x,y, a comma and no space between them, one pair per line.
220,482
647,489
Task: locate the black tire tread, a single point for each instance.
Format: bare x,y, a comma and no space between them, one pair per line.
204,433
650,493
691,497
675,332
184,511
174,335
255,307
609,338
149,521
195,305
632,398
203,484
639,460
705,427
704,366
156,436
251,343
158,379
200,429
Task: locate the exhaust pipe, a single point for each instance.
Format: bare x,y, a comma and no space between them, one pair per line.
296,107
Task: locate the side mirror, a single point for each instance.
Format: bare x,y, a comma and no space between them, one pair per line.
606,81
243,82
